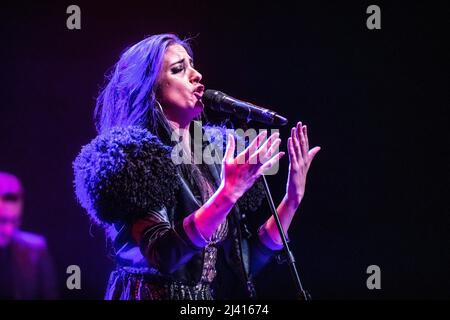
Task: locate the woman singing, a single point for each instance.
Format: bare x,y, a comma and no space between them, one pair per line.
178,230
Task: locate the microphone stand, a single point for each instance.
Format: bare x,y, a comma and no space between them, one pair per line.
301,293
289,256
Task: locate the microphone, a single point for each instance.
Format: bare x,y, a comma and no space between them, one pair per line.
221,102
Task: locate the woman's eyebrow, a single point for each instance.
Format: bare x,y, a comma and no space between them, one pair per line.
182,60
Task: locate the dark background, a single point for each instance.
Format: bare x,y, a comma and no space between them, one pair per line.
375,101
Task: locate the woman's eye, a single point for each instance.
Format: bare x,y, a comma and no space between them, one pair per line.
178,69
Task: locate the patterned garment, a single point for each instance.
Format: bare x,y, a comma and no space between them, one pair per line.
136,284
142,284
210,252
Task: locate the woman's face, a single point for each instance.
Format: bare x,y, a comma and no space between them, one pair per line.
179,90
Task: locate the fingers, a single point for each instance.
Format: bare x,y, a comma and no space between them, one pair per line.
272,148
296,142
291,151
299,145
265,152
305,134
302,140
312,153
270,163
229,151
252,147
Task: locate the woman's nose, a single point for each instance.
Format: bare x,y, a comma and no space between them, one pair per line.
195,76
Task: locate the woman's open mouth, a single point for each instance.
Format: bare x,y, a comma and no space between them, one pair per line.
198,95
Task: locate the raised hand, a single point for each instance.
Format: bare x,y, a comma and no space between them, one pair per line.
240,173
300,158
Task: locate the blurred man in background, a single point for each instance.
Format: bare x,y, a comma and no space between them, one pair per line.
26,268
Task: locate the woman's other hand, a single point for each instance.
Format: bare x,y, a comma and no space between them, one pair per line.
300,158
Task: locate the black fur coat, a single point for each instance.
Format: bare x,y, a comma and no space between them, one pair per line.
127,182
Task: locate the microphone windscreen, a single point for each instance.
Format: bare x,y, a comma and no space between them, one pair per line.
212,96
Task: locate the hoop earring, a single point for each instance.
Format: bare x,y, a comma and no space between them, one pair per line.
159,106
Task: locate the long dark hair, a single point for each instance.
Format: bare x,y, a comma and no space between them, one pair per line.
129,98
